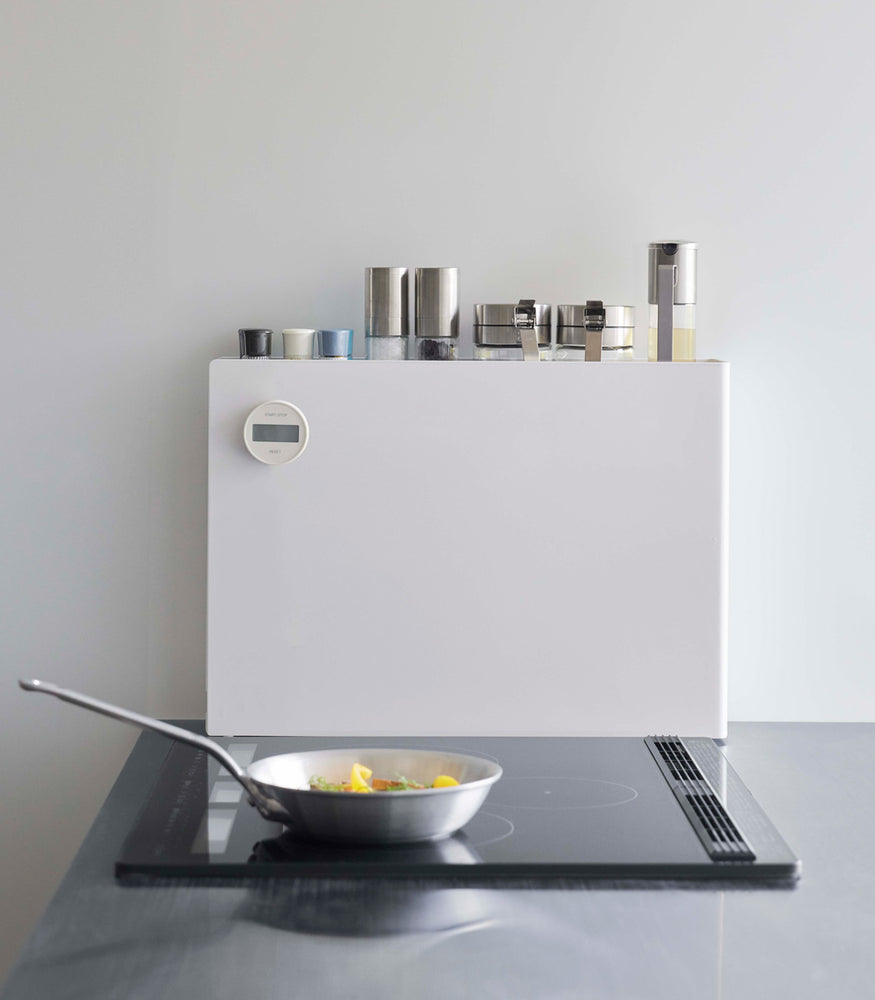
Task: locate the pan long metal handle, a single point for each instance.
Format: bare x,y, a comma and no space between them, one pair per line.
144,722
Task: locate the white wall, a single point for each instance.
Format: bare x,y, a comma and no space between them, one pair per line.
175,170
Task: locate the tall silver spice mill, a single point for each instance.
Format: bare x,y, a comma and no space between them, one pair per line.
437,313
386,313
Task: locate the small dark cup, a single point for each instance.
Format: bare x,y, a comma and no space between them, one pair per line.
255,343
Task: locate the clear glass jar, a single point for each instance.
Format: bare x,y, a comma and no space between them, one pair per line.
569,352
484,352
683,336
618,353
386,348
437,348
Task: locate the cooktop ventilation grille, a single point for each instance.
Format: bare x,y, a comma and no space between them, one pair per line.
719,835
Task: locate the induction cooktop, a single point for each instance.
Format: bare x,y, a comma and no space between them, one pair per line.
586,808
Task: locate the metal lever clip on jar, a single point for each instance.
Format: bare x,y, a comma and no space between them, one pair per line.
579,331
524,321
594,325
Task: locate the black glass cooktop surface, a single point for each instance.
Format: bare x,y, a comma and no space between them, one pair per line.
615,808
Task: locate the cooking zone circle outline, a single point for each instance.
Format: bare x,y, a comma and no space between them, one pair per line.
566,783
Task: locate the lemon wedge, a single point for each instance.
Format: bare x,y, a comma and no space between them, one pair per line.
358,778
444,781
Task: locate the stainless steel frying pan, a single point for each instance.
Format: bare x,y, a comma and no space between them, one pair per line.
279,786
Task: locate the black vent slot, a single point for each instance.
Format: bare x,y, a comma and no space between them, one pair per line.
677,759
720,837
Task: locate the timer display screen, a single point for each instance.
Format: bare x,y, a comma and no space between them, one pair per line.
276,432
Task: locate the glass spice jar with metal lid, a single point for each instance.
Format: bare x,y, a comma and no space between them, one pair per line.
499,329
611,331
618,336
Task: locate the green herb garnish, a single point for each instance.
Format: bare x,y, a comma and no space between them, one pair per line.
319,783
402,784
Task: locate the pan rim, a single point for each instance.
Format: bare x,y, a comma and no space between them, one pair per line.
408,794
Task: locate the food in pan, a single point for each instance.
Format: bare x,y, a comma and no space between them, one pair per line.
358,782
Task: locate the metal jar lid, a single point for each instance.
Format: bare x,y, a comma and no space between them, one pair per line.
619,326
622,316
682,255
573,322
618,331
497,324
386,299
614,316
437,302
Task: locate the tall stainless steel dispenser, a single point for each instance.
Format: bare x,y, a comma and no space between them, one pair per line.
671,292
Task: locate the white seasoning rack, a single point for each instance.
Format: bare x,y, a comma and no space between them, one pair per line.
471,548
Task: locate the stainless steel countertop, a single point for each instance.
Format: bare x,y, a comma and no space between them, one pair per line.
289,939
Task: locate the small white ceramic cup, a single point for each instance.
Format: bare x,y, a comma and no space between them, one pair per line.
298,344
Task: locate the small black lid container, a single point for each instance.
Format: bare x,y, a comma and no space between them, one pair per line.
255,343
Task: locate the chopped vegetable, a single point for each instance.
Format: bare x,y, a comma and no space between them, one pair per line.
400,784
358,778
358,782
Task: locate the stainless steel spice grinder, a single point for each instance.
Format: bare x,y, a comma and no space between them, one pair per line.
437,302
386,302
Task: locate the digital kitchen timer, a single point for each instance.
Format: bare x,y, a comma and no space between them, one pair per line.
276,432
